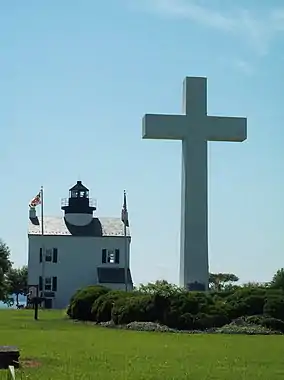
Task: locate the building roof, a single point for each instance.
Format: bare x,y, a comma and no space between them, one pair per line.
58,226
113,276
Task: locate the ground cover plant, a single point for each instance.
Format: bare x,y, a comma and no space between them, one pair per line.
57,348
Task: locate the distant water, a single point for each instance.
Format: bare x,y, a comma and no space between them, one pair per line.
22,301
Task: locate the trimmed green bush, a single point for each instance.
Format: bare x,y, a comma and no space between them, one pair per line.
185,322
102,307
134,309
273,324
274,307
191,303
205,322
269,322
182,310
81,303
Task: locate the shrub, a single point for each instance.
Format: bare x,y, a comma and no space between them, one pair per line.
178,321
251,304
68,311
160,287
253,319
271,323
134,309
180,309
185,322
81,303
236,309
205,322
255,304
200,321
161,303
246,292
141,307
274,307
219,307
174,319
102,307
183,304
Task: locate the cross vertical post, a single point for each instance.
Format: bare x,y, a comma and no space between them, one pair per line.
194,224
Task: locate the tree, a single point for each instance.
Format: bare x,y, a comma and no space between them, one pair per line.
253,285
161,287
278,280
17,281
221,281
5,265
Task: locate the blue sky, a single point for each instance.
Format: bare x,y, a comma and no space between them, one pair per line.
76,79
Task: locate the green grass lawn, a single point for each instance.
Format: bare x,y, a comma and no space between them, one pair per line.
60,349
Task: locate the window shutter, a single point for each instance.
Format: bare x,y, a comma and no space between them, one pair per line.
54,284
55,255
40,283
104,256
117,256
40,255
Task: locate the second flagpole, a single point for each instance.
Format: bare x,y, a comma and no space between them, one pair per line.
125,258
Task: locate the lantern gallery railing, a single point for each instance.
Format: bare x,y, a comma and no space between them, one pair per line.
65,202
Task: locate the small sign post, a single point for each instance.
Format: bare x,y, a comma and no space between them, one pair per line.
11,373
34,297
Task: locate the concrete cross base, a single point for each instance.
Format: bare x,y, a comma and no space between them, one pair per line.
9,355
196,286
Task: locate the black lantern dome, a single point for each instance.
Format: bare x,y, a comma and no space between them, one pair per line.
79,201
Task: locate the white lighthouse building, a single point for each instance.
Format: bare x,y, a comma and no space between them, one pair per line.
76,250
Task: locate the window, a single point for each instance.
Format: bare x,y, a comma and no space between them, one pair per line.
110,256
51,255
40,283
104,254
48,283
74,194
48,255
54,284
55,255
117,256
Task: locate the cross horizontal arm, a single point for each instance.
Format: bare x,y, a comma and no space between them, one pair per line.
169,127
220,128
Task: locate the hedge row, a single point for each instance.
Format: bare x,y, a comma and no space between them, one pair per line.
181,310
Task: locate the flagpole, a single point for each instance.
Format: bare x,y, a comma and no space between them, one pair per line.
124,218
125,258
41,197
42,240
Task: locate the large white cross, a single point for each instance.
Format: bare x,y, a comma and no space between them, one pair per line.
194,129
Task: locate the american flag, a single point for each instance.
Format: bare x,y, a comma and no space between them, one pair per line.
35,201
124,212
